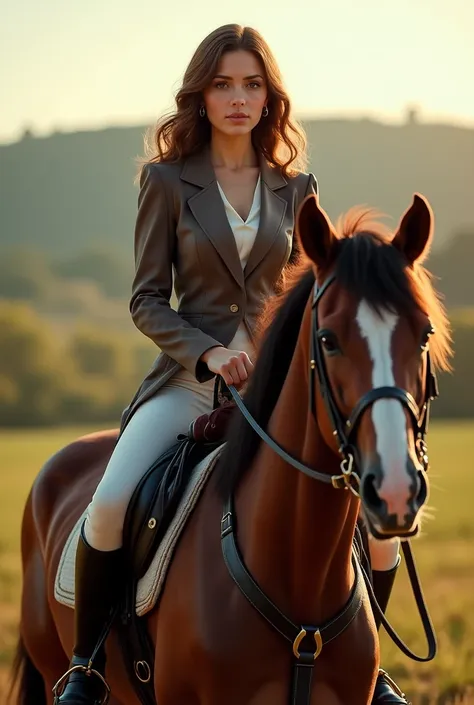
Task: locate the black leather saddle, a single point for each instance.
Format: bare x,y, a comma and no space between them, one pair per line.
156,498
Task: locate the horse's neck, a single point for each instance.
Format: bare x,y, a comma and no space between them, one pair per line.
295,532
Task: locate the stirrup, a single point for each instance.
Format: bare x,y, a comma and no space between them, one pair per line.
88,671
392,684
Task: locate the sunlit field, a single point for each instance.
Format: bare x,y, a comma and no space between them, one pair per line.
444,556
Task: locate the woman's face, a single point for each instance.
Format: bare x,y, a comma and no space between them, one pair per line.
237,94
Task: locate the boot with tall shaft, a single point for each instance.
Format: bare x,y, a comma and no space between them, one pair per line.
98,579
386,690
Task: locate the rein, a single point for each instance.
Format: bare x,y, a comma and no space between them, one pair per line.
308,641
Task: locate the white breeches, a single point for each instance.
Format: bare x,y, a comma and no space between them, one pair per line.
151,431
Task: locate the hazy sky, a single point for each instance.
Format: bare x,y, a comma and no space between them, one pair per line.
70,64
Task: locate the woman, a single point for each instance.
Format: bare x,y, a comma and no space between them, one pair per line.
216,208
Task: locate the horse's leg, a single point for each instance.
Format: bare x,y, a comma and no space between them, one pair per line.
40,656
39,634
47,627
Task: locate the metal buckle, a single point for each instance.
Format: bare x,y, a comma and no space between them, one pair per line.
142,671
226,524
338,482
318,640
88,671
348,476
347,464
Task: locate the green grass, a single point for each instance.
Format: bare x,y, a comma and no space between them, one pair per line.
444,556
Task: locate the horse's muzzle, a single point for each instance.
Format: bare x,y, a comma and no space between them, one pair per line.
389,513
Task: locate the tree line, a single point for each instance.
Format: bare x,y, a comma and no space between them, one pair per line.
99,272
31,274
88,374
51,376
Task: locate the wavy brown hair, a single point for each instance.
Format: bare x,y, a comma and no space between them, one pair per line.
278,137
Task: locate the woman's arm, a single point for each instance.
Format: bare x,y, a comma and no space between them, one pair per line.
155,240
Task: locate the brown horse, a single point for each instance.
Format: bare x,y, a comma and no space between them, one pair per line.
344,369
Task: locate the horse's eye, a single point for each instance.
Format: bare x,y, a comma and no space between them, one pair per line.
329,342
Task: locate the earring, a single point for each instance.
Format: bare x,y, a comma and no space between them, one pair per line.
202,111
265,111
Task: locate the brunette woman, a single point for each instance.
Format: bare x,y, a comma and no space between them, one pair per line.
216,211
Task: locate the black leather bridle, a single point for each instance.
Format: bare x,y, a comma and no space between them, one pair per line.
345,429
308,641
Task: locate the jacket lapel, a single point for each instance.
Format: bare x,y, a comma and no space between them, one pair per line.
208,209
272,212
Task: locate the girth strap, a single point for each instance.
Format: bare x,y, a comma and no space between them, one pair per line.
307,641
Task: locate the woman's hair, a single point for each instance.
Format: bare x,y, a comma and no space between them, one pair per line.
278,137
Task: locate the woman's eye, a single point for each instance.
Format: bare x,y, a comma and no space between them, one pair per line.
254,85
221,84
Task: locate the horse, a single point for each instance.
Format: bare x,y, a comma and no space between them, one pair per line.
340,393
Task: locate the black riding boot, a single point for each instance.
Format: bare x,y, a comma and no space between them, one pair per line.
386,690
98,578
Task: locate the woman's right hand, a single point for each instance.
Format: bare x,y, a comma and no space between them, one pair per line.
234,366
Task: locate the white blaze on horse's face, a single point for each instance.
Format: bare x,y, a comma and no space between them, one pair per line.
388,416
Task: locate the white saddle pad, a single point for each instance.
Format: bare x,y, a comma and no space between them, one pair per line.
150,585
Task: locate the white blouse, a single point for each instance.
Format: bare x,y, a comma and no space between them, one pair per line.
245,232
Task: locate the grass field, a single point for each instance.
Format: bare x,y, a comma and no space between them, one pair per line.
444,554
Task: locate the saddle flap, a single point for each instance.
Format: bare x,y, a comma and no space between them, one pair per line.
155,500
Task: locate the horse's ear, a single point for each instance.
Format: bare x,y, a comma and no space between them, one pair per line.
315,231
415,232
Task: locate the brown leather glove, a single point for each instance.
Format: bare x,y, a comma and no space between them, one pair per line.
212,427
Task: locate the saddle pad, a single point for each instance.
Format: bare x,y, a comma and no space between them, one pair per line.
150,585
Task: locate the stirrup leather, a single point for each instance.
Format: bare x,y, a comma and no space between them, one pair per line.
88,671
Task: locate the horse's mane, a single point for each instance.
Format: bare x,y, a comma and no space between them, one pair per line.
266,382
370,268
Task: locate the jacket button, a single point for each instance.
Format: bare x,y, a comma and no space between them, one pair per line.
234,308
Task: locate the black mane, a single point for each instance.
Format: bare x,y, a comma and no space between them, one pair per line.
264,387
370,268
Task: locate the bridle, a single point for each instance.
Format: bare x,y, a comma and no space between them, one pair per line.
345,429
308,641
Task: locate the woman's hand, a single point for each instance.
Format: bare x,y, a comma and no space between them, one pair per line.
234,366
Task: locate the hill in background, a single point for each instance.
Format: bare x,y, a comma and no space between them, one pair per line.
72,193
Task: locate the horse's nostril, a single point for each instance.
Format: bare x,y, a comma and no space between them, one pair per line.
369,493
422,488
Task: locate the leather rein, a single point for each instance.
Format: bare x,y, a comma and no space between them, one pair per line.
307,641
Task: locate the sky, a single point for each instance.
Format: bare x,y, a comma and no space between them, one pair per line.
70,64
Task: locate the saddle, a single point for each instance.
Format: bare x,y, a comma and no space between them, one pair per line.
158,493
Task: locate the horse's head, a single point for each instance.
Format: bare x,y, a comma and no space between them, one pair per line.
379,331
